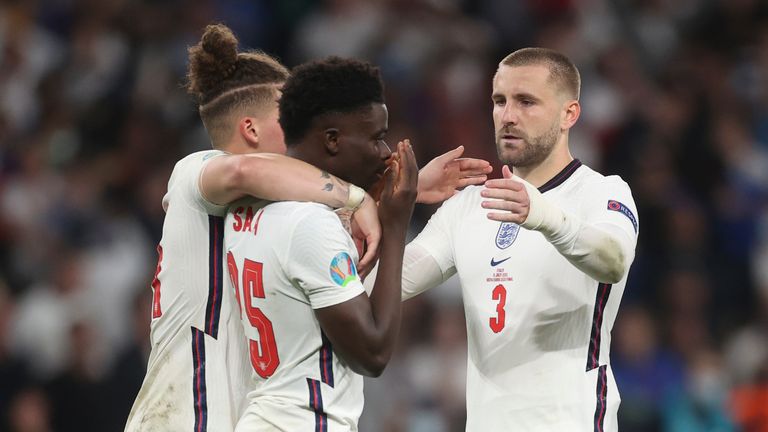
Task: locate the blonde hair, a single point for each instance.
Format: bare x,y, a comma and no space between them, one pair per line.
228,83
561,69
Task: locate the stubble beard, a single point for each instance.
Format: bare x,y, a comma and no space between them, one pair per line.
535,149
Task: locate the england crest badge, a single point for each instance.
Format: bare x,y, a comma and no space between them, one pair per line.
507,234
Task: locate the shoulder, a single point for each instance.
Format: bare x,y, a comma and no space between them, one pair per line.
469,196
460,205
198,157
190,165
307,215
184,183
593,180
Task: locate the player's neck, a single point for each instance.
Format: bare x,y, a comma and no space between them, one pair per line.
539,174
235,146
306,154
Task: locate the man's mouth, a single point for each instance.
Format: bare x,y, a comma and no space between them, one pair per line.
510,136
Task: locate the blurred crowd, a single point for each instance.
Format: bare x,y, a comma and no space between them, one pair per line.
93,116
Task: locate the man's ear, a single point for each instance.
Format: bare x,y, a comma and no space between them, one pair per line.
332,140
571,113
249,130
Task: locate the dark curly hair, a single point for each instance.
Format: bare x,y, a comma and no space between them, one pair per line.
225,81
331,85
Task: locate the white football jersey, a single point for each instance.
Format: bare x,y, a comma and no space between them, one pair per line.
196,376
287,259
539,329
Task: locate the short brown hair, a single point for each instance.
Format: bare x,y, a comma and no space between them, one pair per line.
226,82
561,68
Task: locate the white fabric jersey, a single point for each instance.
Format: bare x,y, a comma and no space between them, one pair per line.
287,259
198,365
538,328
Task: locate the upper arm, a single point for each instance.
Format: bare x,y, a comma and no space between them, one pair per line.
613,205
436,239
321,259
321,262
222,178
184,184
344,324
613,212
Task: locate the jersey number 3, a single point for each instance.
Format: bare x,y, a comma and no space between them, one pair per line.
264,357
499,294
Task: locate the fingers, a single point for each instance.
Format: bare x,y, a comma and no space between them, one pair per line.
503,194
390,176
410,169
366,262
506,172
477,180
363,272
368,259
504,183
452,154
510,206
506,217
473,167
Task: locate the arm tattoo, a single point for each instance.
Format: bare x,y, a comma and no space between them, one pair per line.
328,186
341,192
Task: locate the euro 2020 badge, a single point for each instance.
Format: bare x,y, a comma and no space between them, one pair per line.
507,234
343,269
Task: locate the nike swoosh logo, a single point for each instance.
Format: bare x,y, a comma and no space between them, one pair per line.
496,263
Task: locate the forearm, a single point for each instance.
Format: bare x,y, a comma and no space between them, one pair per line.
271,177
600,251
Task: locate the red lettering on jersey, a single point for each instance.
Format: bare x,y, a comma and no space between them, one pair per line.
498,322
264,356
248,219
232,266
156,311
258,218
238,225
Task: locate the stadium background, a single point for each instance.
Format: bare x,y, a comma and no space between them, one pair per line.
675,100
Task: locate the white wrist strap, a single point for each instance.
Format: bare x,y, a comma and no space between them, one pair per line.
356,197
542,215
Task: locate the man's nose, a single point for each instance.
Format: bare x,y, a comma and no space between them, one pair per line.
509,115
385,151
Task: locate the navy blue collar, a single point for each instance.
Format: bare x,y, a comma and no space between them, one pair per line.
561,177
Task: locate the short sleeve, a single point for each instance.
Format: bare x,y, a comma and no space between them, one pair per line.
322,259
611,203
185,183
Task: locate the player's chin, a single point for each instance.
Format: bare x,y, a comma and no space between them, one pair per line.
507,155
375,185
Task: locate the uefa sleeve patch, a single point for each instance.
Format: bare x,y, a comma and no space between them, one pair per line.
621,208
342,269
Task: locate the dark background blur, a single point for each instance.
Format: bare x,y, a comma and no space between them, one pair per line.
675,100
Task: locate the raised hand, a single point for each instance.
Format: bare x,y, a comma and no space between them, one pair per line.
508,194
443,175
400,188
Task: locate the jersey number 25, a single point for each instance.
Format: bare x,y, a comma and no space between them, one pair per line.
264,356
